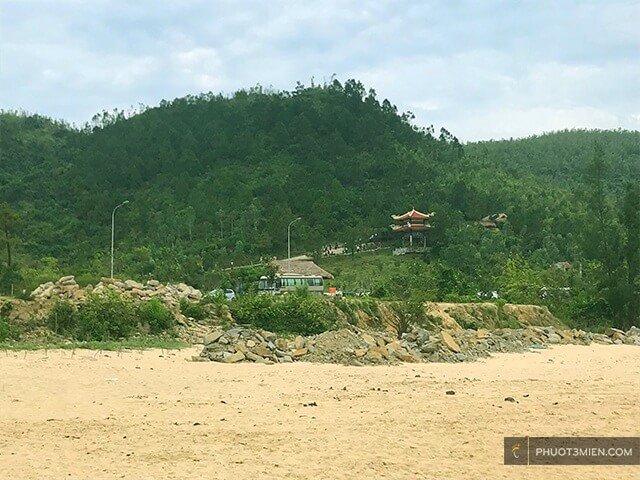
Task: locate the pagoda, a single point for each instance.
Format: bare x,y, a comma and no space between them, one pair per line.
413,223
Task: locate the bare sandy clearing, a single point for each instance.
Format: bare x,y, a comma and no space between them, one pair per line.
155,415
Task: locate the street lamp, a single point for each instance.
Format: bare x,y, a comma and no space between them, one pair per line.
113,230
289,242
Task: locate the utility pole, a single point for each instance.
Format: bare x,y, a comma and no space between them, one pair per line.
289,243
113,231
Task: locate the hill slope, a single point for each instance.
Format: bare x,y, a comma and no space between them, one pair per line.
215,179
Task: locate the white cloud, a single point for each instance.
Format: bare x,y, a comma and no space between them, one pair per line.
480,69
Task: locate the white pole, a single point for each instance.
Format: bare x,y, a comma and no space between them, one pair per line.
289,243
113,231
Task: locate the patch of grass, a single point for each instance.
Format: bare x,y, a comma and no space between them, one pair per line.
110,345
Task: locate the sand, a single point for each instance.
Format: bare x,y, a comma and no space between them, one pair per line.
153,415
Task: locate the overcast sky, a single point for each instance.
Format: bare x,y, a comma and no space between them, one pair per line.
482,69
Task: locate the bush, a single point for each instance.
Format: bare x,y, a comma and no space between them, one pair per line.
106,316
155,316
304,315
193,310
6,332
63,318
6,308
408,315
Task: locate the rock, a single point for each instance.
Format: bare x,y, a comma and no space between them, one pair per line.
395,345
553,338
450,392
286,359
253,357
429,347
131,284
262,350
251,344
153,283
233,357
619,336
375,354
68,278
482,333
610,332
449,342
510,399
566,334
299,342
633,332
299,352
602,339
282,343
360,352
369,339
405,356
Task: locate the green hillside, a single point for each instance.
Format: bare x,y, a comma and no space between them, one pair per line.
213,180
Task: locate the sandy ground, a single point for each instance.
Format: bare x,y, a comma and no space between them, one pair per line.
153,415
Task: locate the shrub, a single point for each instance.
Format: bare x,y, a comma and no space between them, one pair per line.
63,318
6,308
304,315
156,316
6,332
193,310
412,313
106,316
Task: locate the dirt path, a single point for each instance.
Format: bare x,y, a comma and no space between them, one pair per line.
155,415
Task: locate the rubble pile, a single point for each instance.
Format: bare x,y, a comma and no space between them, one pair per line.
358,347
68,289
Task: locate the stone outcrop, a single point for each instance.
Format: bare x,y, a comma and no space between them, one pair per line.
352,346
66,288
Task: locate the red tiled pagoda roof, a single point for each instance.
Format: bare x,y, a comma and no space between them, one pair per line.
413,214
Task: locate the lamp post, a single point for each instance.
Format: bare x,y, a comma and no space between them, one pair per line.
113,230
289,242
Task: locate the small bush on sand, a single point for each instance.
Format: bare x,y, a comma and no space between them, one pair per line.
107,316
63,318
6,332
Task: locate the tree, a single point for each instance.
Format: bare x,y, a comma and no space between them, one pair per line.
8,221
630,220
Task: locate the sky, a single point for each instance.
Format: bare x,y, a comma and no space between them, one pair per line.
484,69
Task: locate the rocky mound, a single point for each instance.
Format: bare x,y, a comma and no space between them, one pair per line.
358,347
66,288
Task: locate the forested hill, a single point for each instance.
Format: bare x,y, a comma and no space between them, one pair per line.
214,179
562,156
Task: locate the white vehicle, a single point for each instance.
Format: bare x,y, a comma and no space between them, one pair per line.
228,293
290,282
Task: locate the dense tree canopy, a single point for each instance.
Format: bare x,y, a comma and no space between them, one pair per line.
213,179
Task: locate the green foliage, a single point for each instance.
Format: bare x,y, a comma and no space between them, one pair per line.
192,309
214,180
106,316
135,343
155,316
63,319
408,315
6,330
304,315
